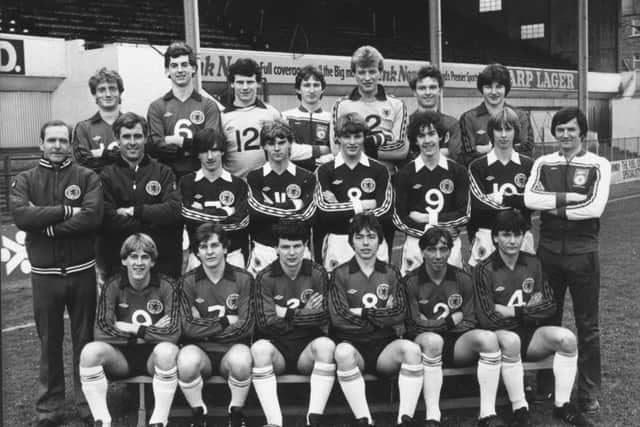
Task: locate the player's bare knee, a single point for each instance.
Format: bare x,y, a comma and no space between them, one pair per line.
262,353
487,342
410,352
430,344
165,355
509,344
240,362
323,349
188,364
345,356
92,354
567,342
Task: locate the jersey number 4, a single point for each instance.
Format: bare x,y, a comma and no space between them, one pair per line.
248,139
516,299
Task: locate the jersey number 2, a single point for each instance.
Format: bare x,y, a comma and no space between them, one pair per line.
248,139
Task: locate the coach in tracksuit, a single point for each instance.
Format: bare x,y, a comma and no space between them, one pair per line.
140,196
59,205
571,188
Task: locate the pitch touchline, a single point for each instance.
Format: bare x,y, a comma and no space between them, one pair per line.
28,325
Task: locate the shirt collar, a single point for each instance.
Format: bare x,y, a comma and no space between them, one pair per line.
46,163
380,94
492,157
277,271
442,162
304,109
266,169
195,95
498,262
423,277
97,118
154,281
226,274
123,163
339,160
200,175
354,267
258,104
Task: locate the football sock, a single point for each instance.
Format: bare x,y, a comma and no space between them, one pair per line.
564,370
513,378
321,382
164,384
409,388
488,379
239,391
432,385
353,388
264,382
94,386
193,393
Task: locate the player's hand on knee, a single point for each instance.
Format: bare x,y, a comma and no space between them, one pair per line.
315,301
163,322
457,317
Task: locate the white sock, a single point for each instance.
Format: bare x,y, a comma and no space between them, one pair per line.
409,388
193,393
321,382
488,379
432,385
164,385
513,379
239,391
352,385
564,371
94,386
264,382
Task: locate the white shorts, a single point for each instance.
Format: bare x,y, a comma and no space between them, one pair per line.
234,258
263,255
337,250
483,246
412,255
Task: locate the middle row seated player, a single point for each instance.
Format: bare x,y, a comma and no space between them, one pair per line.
350,184
431,190
367,303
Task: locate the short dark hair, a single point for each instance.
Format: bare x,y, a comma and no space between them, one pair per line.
105,75
209,139
433,235
305,73
422,119
177,49
567,114
426,71
350,124
52,123
205,231
290,230
362,221
275,129
129,120
244,67
504,119
139,241
495,73
509,220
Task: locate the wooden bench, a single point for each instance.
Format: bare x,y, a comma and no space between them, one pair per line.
221,411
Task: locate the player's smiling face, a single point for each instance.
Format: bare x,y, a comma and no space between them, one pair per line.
180,71
131,143
508,242
435,257
365,243
494,94
427,93
428,140
503,138
277,149
352,144
211,252
245,89
310,91
568,135
290,252
210,160
107,95
138,264
56,146
367,79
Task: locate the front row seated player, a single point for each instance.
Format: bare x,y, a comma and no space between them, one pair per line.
367,303
292,316
514,299
350,184
217,308
441,319
137,326
279,189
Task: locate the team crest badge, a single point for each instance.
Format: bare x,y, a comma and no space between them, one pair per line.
153,188
305,295
368,185
154,306
232,301
527,285
446,186
226,198
293,191
455,301
520,180
321,132
382,291
196,117
72,192
580,177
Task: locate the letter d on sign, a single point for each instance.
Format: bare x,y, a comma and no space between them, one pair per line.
11,56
